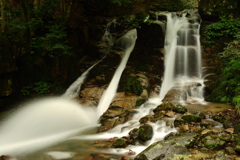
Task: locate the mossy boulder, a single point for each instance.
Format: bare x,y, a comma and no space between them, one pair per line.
121,143
163,107
178,122
179,108
133,134
167,148
189,117
145,133
214,144
147,118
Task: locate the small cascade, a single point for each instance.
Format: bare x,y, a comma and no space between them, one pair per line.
108,41
127,42
74,88
183,66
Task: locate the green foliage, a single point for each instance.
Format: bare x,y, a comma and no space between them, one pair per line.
38,88
133,86
228,88
222,28
134,21
52,43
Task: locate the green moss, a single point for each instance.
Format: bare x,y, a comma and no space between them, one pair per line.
140,102
133,86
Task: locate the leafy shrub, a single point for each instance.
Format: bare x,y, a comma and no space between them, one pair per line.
53,43
38,88
228,89
222,28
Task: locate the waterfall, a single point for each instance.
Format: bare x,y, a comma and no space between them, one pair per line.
108,41
127,42
42,123
75,87
183,67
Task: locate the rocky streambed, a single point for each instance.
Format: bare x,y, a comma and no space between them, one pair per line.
209,134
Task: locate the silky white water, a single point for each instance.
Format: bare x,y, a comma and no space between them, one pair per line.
183,67
127,42
73,90
43,122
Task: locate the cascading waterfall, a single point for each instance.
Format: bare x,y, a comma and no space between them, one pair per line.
75,87
47,121
183,67
127,42
108,40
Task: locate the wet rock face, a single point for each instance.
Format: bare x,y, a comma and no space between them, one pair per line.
166,149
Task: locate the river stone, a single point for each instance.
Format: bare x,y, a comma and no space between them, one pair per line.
200,114
220,155
133,134
214,143
189,117
179,109
230,150
121,143
147,118
164,106
167,148
178,122
145,133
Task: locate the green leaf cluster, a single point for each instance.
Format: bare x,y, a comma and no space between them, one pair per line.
228,88
222,28
38,88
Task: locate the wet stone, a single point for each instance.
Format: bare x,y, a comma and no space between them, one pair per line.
145,133
147,118
121,143
178,122
189,117
179,109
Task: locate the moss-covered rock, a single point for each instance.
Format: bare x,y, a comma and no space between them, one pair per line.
189,117
145,133
164,106
179,108
120,143
166,149
147,118
133,134
178,122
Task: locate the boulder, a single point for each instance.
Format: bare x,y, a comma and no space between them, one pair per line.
121,143
145,133
179,108
189,117
164,107
147,118
166,149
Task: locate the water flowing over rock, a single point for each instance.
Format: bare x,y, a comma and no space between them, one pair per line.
183,66
126,42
